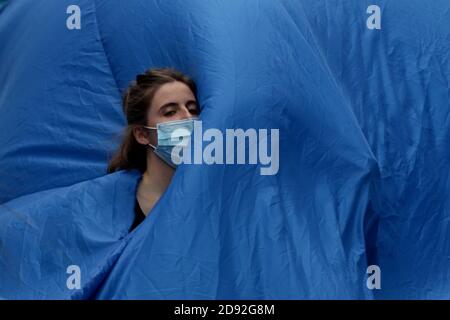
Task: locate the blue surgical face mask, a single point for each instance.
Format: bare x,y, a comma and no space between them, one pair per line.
172,134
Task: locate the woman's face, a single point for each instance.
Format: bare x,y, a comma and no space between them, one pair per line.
172,101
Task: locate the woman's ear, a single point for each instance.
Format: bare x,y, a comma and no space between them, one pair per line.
141,135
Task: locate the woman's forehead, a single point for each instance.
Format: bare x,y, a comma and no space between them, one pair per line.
172,91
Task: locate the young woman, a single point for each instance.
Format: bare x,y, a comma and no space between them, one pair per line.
155,104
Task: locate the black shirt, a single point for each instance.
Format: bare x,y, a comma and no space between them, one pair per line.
139,215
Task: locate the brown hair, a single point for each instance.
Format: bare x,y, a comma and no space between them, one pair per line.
136,101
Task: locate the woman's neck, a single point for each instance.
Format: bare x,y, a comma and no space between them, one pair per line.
154,182
158,174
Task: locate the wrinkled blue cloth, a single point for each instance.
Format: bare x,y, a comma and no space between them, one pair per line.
364,168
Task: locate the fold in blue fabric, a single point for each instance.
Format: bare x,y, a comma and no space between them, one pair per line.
42,234
363,117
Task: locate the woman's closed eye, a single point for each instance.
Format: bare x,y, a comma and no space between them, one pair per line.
192,108
170,113
193,111
169,110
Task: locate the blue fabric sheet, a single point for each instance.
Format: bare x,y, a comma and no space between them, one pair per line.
364,167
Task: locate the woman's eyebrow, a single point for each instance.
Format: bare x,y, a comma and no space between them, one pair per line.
191,101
